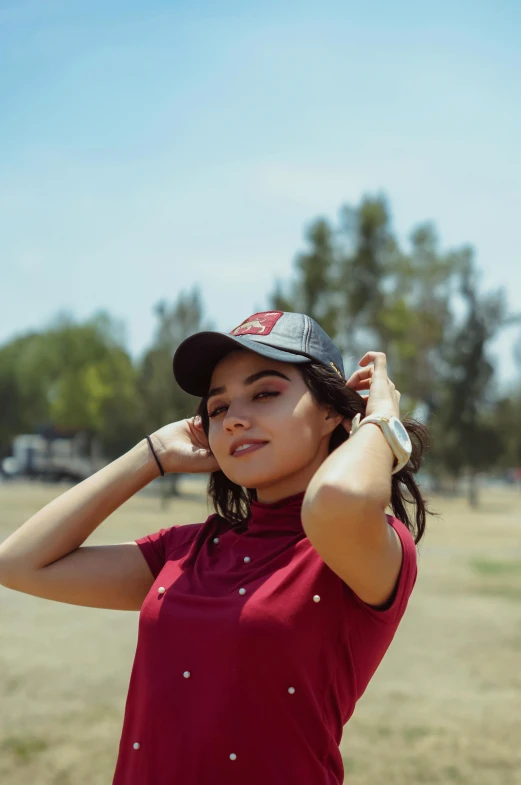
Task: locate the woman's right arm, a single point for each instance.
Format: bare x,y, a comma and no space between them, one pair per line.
44,556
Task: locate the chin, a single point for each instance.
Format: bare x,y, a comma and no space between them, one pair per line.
262,478
254,479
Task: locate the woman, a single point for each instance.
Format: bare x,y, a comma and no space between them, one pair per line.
260,628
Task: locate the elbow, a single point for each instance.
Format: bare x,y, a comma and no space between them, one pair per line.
10,572
7,573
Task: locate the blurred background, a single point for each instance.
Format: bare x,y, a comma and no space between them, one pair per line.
171,167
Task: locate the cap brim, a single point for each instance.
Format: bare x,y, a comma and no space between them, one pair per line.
197,356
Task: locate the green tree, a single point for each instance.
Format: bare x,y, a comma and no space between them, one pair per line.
163,401
366,292
507,424
417,315
312,291
466,437
369,293
74,377
18,405
369,254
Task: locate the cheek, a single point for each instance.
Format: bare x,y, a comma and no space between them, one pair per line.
291,426
213,438
297,434
219,440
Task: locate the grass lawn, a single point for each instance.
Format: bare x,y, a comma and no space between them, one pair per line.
444,706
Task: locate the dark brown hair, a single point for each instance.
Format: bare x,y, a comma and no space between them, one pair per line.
232,501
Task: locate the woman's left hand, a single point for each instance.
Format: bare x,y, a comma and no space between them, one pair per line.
383,398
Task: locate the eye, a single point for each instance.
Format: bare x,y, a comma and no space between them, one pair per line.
261,396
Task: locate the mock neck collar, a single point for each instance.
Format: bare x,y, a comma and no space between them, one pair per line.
281,516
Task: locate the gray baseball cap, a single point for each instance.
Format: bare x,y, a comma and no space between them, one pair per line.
278,335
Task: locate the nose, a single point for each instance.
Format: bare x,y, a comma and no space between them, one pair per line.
234,418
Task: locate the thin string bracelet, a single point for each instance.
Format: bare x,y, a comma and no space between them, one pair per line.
155,456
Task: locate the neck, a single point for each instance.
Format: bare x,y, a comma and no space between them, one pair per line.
282,517
272,498
293,483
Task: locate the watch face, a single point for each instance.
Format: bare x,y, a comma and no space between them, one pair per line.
400,433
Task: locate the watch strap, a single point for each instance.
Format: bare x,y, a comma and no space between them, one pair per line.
401,455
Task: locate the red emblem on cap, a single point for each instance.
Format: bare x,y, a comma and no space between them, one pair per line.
258,324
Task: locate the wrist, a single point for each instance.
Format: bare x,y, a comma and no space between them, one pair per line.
155,454
394,433
143,462
382,411
374,428
367,475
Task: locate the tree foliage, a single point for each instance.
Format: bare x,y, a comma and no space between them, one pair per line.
422,306
80,376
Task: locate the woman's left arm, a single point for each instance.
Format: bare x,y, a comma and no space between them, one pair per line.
343,512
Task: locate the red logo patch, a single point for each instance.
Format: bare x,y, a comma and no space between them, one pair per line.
258,324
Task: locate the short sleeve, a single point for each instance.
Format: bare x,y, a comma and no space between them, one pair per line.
368,631
156,547
406,578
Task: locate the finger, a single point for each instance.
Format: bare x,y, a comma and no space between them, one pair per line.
365,384
378,359
359,376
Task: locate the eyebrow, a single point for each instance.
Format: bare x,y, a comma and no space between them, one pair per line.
249,380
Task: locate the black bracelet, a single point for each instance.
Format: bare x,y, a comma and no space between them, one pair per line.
155,456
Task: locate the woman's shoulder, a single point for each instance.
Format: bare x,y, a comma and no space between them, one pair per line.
405,534
171,542
393,612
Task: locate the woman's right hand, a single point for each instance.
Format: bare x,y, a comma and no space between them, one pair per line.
182,447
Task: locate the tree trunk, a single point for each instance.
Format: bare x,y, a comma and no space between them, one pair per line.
436,485
169,489
473,490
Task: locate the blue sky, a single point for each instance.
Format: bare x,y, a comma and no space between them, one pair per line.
145,147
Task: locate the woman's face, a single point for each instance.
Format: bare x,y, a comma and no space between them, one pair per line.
246,403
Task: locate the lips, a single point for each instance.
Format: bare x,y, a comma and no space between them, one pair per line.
252,448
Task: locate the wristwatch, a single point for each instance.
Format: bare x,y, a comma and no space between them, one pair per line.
394,432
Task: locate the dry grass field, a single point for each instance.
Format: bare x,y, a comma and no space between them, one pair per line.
444,707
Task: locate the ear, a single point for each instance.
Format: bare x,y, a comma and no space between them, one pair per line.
332,419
